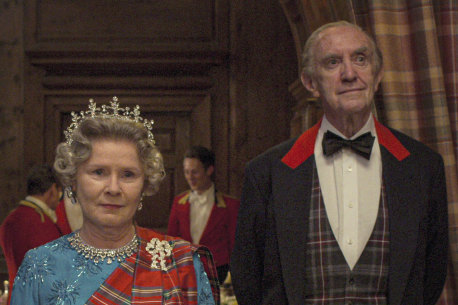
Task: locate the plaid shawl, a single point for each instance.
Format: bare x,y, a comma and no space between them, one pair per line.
136,282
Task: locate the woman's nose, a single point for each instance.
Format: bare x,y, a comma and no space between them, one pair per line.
113,185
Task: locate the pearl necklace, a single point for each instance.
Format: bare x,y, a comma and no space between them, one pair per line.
98,255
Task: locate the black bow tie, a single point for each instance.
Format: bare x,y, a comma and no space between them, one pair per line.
362,145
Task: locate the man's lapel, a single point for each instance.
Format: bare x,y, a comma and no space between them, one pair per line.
292,189
216,216
403,215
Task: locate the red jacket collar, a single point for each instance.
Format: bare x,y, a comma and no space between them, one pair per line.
304,146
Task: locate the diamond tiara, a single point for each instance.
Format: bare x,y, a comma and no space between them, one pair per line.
108,112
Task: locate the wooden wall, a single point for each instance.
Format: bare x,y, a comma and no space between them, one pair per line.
213,72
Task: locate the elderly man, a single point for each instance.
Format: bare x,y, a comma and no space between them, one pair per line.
351,212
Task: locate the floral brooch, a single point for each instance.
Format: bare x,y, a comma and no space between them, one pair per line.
159,251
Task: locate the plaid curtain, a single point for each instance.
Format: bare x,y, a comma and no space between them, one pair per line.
419,41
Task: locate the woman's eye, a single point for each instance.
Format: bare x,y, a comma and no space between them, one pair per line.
129,174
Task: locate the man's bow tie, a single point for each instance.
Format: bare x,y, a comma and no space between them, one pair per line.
362,145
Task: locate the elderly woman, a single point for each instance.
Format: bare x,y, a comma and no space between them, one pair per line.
108,162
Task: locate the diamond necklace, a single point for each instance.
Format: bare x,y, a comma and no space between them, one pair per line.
98,255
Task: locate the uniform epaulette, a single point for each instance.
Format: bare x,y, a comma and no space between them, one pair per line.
185,197
230,196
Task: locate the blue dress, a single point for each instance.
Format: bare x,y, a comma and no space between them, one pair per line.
57,274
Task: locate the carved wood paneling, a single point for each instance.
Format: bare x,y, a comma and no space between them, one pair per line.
177,25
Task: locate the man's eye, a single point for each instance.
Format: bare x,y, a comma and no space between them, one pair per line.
98,172
360,59
332,62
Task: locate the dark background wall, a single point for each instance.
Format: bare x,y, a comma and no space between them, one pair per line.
208,72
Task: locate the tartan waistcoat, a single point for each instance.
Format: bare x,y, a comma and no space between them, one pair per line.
329,278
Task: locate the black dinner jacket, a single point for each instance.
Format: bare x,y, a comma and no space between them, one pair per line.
268,263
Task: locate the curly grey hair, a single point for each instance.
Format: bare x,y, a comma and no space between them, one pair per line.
70,156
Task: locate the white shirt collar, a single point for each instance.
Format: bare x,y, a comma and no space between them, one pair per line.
46,209
369,126
206,196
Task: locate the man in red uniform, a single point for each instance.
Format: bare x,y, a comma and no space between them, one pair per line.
33,222
203,215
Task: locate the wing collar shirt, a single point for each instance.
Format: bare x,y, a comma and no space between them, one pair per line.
351,187
201,207
43,206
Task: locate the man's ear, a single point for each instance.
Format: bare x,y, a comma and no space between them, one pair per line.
50,192
378,78
310,85
210,170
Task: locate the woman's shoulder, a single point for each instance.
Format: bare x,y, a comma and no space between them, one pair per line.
56,246
42,262
149,235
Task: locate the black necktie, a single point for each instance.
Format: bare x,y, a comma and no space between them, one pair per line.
362,145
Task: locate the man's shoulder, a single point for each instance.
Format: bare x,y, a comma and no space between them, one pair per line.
22,214
229,197
182,197
230,200
273,154
417,149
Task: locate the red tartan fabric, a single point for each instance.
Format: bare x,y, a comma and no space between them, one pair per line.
135,282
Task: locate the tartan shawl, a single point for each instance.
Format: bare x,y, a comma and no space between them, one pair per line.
136,282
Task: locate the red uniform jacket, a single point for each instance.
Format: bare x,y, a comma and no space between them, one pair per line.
25,228
219,233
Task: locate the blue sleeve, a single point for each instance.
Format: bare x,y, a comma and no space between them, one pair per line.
25,287
204,291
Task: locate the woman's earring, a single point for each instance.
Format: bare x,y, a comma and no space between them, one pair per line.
140,204
70,194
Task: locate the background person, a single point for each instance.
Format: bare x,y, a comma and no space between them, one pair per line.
325,220
33,222
108,162
203,215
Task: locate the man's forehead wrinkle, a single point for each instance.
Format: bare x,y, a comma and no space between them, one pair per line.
365,49
325,57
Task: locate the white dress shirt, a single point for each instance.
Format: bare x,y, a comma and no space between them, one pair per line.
201,207
350,185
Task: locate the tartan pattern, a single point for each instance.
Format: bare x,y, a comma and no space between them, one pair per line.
135,282
419,40
212,273
332,280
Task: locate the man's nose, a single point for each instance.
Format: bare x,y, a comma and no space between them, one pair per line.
348,71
